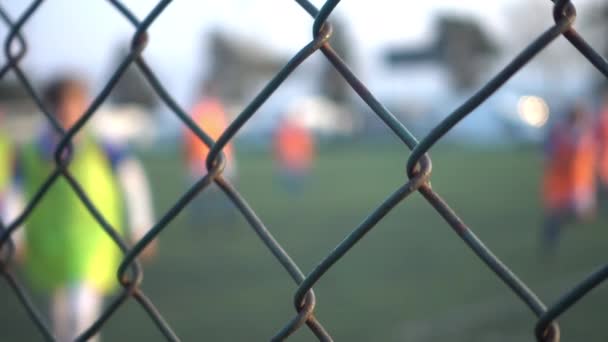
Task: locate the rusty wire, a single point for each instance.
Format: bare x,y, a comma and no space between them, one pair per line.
418,171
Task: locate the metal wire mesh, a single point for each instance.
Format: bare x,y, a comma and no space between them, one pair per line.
418,171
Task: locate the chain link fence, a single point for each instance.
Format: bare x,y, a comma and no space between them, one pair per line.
418,171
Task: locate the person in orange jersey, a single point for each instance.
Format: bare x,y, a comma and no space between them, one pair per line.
602,147
209,114
294,151
569,181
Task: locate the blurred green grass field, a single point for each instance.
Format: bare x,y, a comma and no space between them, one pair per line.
410,279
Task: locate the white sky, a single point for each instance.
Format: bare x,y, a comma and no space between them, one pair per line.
84,34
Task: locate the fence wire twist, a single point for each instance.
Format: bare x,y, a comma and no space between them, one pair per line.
418,172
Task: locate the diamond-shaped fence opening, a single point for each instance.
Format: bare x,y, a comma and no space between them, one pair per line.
419,172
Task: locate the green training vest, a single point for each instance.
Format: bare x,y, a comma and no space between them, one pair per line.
64,243
6,160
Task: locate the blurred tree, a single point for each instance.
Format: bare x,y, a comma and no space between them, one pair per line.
332,84
238,65
132,88
533,17
15,100
12,91
604,22
461,45
598,19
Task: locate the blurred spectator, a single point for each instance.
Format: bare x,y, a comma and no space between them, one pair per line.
66,252
569,184
294,152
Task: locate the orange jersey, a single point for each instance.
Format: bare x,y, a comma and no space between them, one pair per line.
570,169
294,147
209,115
602,136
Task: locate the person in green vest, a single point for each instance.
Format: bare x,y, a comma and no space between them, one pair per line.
65,251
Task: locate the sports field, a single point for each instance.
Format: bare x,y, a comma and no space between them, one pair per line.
410,279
